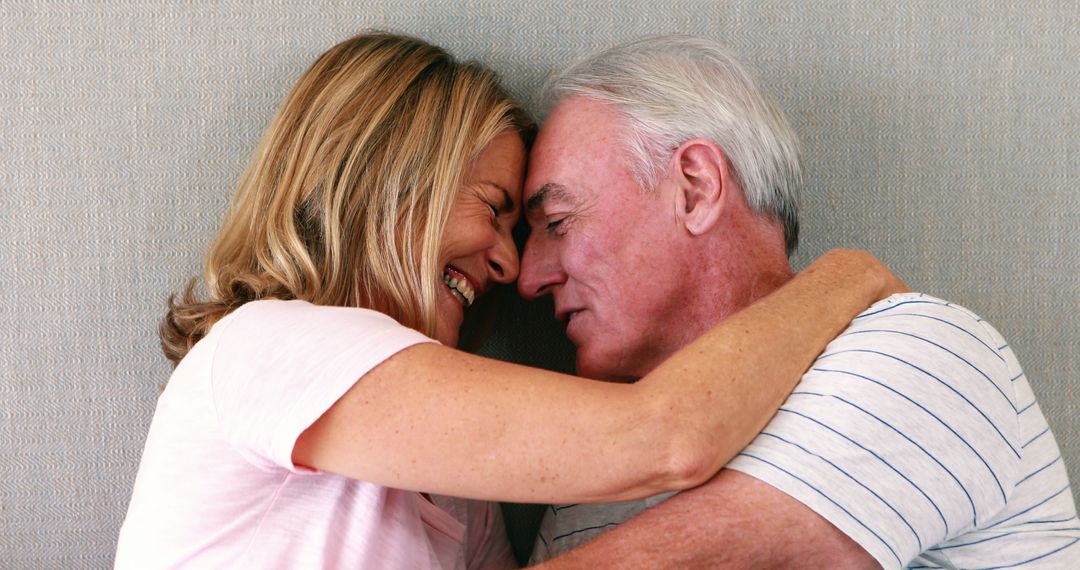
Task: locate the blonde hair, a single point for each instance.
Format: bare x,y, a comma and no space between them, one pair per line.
346,198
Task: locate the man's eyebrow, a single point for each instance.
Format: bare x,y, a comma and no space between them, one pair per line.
549,191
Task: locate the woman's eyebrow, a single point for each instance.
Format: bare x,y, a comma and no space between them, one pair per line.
507,206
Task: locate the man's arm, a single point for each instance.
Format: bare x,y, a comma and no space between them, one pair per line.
733,521
904,435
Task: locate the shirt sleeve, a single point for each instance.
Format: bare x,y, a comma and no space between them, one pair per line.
279,365
902,434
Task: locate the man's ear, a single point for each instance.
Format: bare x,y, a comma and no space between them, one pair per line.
700,174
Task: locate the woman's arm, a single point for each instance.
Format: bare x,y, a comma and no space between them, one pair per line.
436,419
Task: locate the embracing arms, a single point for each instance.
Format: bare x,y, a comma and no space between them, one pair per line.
435,419
900,446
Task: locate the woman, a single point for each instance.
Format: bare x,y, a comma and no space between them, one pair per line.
310,415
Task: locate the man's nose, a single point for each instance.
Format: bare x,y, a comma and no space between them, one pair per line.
540,270
503,261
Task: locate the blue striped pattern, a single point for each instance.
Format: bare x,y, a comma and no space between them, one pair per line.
958,467
927,454
916,434
930,414
569,525
585,529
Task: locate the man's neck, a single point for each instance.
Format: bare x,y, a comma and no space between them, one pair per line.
741,272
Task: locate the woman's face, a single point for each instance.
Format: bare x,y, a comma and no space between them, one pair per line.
478,249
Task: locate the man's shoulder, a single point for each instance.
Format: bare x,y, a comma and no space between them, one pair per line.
912,328
919,311
921,370
905,430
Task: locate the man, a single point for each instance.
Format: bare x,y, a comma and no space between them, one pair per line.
662,195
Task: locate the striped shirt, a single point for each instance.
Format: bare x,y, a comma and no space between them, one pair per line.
916,434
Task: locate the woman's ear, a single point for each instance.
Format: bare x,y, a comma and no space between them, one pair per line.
700,175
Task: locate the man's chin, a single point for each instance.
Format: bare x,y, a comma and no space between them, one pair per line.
605,371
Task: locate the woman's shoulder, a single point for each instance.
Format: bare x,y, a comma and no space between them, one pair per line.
289,325
278,313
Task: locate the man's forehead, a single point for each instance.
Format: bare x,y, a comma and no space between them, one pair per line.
576,123
576,145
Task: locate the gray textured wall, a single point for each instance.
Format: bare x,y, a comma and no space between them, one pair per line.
944,139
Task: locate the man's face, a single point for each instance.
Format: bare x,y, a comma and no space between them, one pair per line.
605,249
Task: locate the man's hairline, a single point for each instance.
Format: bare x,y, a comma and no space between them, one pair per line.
647,173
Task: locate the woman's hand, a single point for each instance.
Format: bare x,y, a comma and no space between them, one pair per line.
859,264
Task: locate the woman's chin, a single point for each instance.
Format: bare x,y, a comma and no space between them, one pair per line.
451,315
447,337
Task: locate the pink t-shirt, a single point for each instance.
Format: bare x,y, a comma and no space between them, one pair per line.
217,488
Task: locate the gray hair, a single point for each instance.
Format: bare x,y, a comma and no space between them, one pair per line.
670,89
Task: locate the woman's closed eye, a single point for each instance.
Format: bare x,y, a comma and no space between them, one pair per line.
494,211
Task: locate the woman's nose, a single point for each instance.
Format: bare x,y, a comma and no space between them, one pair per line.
504,262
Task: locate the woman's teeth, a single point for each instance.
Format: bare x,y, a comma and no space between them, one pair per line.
461,288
